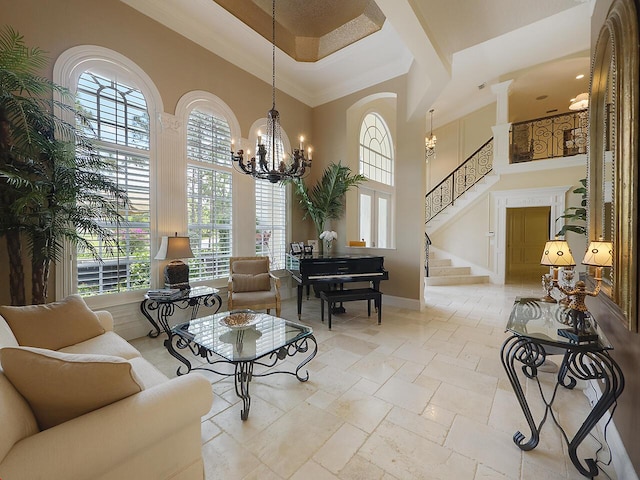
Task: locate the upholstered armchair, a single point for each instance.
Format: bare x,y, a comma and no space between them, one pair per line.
252,285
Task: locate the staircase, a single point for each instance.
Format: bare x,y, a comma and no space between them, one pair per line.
442,272
465,185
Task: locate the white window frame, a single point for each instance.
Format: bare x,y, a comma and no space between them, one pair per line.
66,72
261,125
377,190
215,168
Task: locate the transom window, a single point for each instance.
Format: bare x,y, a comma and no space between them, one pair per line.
119,127
376,196
376,153
209,195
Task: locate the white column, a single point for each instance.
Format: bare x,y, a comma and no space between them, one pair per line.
170,190
502,127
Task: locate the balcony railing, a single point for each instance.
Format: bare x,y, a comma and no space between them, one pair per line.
562,135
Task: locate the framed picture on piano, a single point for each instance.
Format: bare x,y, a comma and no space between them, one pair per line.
308,249
296,249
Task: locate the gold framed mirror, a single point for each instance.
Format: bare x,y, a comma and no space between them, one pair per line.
612,175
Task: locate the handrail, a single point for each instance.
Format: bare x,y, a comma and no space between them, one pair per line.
427,242
465,176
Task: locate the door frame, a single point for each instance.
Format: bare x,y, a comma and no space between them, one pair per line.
554,197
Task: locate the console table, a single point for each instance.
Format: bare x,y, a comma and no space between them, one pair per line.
534,325
159,310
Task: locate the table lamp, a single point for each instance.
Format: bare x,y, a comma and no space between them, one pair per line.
599,254
556,254
176,272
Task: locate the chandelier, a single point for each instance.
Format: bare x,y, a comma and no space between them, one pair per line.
430,141
271,163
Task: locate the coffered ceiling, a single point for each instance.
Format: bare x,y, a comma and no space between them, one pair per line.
330,48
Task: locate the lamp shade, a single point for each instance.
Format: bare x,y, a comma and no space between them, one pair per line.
557,254
172,248
599,254
580,102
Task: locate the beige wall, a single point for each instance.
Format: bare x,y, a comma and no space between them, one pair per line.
458,140
335,135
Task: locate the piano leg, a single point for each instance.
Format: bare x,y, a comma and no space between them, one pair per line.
300,287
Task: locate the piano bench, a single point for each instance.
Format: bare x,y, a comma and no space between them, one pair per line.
338,296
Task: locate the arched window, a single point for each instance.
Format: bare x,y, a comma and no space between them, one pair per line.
376,196
209,193
119,128
120,101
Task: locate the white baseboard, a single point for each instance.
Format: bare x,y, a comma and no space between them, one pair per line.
619,457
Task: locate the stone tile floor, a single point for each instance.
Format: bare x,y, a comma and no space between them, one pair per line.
422,396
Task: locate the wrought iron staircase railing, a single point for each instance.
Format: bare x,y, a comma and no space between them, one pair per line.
474,169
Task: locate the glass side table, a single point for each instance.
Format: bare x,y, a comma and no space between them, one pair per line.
159,310
534,325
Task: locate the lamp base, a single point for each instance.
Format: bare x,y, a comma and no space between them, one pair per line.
576,336
176,275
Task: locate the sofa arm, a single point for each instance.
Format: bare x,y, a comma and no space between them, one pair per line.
106,319
76,449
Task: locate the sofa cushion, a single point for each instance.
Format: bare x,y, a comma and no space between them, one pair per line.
250,283
53,325
109,343
16,418
61,386
7,338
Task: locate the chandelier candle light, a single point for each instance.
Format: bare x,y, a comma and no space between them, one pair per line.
430,141
271,163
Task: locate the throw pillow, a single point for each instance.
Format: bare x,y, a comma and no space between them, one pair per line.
53,325
251,283
62,386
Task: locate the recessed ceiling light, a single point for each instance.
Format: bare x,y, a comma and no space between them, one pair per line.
578,77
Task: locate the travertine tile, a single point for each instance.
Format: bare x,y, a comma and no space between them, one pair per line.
340,448
422,396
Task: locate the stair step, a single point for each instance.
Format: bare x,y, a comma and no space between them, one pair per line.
456,280
439,262
448,271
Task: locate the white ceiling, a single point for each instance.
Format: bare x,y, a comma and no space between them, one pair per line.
453,45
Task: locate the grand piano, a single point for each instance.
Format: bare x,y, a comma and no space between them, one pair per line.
334,268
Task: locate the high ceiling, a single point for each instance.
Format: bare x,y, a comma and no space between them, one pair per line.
330,48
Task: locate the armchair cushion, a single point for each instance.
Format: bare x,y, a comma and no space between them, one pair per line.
61,386
252,266
244,282
53,325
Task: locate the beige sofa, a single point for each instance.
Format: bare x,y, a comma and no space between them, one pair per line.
61,414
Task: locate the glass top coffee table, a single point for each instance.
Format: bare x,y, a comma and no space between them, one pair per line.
243,339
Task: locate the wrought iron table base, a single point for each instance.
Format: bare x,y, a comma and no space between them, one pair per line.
578,363
243,370
166,308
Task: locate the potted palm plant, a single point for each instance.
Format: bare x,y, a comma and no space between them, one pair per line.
54,187
325,201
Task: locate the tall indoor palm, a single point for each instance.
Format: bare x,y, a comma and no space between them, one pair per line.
54,187
325,201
